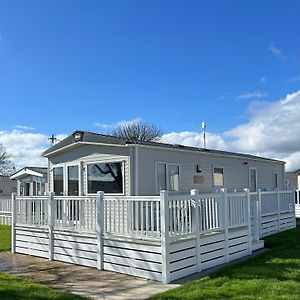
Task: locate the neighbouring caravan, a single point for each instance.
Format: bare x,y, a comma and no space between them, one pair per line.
31,181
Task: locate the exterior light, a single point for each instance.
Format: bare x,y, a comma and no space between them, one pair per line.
78,136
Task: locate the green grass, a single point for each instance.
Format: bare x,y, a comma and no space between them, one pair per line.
274,274
5,237
13,288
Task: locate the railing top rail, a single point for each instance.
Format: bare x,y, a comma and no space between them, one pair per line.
268,192
132,198
210,195
74,197
236,194
32,197
287,192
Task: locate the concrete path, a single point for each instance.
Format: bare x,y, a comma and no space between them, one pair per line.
80,280
89,281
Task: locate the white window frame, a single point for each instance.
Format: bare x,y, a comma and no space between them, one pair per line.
52,178
167,175
249,180
273,183
213,177
65,176
72,164
103,162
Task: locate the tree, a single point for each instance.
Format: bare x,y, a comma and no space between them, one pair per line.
138,132
6,168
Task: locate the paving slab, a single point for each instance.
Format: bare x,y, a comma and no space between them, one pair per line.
80,280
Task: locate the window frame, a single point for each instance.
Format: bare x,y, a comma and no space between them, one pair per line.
167,176
52,178
213,176
273,180
103,162
65,177
249,180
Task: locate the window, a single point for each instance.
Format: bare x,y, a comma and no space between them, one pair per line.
58,181
167,177
173,178
106,177
34,192
1,190
252,180
275,180
218,177
161,175
73,181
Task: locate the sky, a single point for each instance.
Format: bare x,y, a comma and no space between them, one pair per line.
94,65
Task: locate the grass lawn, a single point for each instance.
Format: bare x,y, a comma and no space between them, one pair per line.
274,274
5,237
12,287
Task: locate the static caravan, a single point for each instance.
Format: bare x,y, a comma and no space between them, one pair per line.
85,163
167,211
31,181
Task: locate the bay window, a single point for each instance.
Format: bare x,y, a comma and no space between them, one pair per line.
107,177
58,181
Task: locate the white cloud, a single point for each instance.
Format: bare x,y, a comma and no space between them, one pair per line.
272,131
25,148
117,124
277,52
195,139
250,95
23,127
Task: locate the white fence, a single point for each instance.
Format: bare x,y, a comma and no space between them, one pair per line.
162,237
297,203
5,211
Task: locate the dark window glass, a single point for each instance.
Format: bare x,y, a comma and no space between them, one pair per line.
58,181
73,181
106,177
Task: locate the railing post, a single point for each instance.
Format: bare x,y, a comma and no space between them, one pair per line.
278,209
255,218
226,223
247,192
13,222
51,225
196,227
294,206
165,243
259,213
99,228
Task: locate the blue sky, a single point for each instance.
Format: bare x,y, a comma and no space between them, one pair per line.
67,65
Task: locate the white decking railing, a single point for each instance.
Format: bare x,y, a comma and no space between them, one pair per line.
140,216
297,203
5,211
158,237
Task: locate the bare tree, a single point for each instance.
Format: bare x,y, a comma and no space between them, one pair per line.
138,132
6,168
